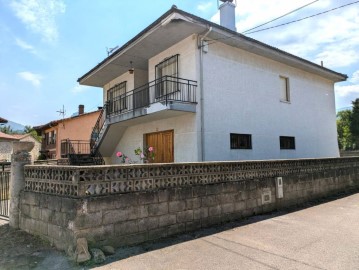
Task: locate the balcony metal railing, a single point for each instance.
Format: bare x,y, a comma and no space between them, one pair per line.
165,89
74,147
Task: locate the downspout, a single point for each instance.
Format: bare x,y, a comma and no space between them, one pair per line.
200,47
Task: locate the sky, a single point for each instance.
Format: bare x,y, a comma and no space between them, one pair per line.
46,45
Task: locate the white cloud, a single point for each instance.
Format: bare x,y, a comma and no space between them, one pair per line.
33,78
24,45
204,7
216,19
355,77
346,90
332,37
80,89
39,16
335,57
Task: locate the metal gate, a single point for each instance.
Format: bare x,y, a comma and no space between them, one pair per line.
4,193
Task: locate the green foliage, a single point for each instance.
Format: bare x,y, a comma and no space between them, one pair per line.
354,123
345,137
6,129
32,131
348,127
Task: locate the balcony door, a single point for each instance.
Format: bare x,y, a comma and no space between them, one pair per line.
162,142
116,98
166,74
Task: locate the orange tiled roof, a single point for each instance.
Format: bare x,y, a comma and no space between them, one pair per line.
7,136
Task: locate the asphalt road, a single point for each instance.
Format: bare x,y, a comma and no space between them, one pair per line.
324,236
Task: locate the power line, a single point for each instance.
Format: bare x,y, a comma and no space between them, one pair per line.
266,22
280,17
311,16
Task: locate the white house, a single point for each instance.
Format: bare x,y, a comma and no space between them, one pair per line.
198,91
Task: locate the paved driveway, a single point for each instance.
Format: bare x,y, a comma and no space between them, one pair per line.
325,236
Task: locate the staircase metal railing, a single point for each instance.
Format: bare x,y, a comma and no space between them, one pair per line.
95,134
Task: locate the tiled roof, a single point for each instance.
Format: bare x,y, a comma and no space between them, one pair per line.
56,122
8,136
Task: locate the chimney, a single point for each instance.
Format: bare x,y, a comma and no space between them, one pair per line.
81,109
227,14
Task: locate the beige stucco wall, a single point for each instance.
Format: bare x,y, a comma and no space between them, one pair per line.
5,150
76,128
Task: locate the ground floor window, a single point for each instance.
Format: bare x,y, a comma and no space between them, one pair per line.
241,141
287,142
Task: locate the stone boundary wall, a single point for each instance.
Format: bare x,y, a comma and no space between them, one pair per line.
130,204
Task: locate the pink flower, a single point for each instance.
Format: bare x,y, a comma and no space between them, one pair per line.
119,154
150,149
142,155
127,160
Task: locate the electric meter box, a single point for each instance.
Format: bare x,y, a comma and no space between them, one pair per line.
279,187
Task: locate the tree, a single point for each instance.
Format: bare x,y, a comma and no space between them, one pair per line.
28,129
32,131
6,129
345,137
354,122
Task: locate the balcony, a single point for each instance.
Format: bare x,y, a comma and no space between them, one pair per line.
160,99
167,91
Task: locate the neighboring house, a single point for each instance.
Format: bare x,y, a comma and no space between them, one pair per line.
198,91
68,134
6,148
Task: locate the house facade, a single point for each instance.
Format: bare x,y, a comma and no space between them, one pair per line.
68,134
6,148
198,91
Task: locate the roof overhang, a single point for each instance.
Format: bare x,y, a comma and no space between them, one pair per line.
174,26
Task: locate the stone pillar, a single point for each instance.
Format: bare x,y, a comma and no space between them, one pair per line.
21,156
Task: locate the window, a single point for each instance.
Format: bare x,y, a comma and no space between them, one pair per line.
166,76
241,141
117,98
284,89
287,142
50,137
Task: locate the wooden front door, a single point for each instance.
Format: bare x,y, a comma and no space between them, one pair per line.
162,142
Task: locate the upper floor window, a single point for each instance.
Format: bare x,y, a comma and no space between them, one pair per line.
117,97
287,142
50,137
241,141
166,74
284,89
